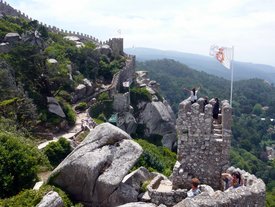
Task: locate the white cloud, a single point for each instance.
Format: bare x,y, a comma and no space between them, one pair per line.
189,26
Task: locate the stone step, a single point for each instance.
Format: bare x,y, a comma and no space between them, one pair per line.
165,186
217,126
217,136
219,140
217,131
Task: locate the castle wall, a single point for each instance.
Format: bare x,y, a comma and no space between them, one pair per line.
168,198
203,151
125,74
116,44
252,194
6,9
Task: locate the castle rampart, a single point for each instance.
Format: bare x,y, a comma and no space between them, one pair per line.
6,9
203,147
252,194
125,74
116,44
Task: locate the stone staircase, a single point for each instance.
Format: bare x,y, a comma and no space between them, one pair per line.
217,130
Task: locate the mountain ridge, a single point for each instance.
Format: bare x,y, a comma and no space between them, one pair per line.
242,70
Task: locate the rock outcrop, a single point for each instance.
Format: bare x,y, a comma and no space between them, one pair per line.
127,122
138,204
157,119
83,90
92,174
105,50
51,199
157,116
54,107
12,37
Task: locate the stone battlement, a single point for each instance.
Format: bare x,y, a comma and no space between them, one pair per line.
116,44
203,147
6,9
252,193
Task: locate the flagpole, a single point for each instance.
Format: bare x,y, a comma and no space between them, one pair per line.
231,67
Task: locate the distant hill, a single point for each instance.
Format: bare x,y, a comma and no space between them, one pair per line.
173,76
242,70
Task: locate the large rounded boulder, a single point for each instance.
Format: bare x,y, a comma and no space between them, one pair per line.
92,174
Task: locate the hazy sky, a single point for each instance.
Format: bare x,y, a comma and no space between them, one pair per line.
181,25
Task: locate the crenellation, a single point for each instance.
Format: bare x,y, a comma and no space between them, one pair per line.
202,148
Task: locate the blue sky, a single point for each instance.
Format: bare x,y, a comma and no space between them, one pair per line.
181,25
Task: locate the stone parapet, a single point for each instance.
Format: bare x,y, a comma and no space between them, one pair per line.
251,194
125,74
159,196
203,147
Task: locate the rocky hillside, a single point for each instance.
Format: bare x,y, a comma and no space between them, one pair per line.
54,85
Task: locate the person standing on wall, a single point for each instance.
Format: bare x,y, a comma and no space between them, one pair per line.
193,94
216,109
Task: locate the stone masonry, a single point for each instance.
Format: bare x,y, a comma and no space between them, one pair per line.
203,147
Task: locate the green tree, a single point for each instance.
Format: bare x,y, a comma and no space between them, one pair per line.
57,151
257,109
19,164
159,159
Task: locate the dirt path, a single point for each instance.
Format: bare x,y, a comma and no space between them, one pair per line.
80,117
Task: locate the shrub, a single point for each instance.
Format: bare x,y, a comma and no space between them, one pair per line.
144,185
103,97
98,121
57,151
81,106
155,139
30,198
154,158
19,164
105,108
140,94
270,198
70,113
101,117
65,95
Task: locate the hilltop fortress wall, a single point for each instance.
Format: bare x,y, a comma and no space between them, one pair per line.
124,75
6,9
116,44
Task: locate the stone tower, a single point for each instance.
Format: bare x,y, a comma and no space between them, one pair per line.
116,44
203,147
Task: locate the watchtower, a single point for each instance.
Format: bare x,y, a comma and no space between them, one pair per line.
203,147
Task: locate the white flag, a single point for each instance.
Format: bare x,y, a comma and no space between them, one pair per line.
222,54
